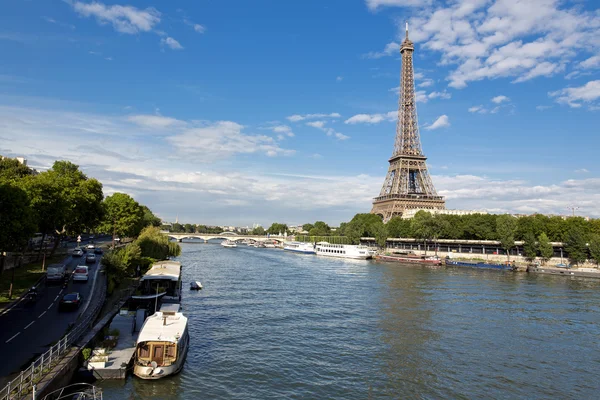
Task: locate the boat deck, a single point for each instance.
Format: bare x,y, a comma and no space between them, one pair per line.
120,356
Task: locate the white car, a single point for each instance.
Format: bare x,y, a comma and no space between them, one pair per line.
77,252
80,274
91,246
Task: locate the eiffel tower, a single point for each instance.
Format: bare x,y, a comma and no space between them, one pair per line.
407,184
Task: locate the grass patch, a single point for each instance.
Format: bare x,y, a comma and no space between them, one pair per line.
25,277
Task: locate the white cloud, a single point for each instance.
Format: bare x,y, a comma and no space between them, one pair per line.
298,117
478,109
125,19
372,118
426,83
542,108
592,62
441,122
199,28
339,78
329,131
154,121
172,43
341,136
390,49
375,4
573,96
581,171
316,124
440,95
500,99
284,129
484,39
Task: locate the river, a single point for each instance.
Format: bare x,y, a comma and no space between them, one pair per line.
271,325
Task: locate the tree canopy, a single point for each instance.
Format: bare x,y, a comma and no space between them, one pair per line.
122,215
17,219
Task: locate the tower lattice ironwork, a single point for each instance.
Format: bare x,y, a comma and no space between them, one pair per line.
407,184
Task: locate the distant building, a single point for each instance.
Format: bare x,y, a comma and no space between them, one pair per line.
410,213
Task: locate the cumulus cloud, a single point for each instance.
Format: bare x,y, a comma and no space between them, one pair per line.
154,121
441,122
298,117
483,39
124,19
372,118
321,125
478,109
283,129
199,28
574,96
500,99
171,43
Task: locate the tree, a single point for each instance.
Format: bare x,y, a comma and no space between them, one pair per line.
380,234
545,248
189,228
362,225
575,245
12,170
506,226
148,219
177,228
530,246
399,228
16,218
258,231
155,245
122,215
595,248
277,228
307,227
428,227
320,228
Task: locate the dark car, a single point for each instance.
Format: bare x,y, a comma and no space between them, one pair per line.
70,300
90,258
98,250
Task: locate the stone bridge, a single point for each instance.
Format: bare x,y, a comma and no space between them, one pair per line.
226,235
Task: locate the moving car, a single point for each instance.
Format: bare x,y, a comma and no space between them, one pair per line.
80,274
91,246
90,258
56,273
77,252
98,250
70,300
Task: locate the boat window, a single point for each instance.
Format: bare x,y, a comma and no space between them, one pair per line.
170,351
158,351
144,351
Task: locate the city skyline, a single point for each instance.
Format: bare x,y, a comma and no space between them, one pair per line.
286,112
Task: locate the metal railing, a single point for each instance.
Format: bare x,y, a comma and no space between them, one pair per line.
23,384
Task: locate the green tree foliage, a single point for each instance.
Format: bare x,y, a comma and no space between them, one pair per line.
17,222
12,170
189,228
545,248
307,227
149,219
575,245
399,228
595,247
155,245
122,215
277,228
530,246
177,228
362,225
258,231
506,226
380,234
320,228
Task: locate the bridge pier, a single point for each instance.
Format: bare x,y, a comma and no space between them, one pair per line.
179,240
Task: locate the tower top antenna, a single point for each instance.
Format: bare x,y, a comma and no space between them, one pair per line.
406,29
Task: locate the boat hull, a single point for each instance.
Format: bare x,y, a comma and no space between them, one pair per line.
409,260
450,263
301,251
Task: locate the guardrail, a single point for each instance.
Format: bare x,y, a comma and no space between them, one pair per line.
23,384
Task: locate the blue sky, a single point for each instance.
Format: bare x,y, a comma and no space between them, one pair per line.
241,112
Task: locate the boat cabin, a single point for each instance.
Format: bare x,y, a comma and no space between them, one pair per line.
162,279
163,339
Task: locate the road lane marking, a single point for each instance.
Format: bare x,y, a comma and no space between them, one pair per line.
50,307
42,314
56,298
18,333
31,323
61,290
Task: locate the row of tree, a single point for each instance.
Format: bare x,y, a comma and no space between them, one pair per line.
59,202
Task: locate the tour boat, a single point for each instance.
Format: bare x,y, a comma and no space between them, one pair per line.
300,247
344,251
162,344
162,280
229,243
453,263
410,259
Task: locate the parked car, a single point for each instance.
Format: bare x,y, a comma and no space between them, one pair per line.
56,273
77,252
70,300
98,250
80,274
90,258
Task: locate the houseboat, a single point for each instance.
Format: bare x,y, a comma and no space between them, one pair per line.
163,279
300,247
162,344
344,251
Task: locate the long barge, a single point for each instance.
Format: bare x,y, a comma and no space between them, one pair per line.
455,263
410,259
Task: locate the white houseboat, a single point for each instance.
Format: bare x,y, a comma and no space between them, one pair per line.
300,247
162,280
228,243
162,345
344,251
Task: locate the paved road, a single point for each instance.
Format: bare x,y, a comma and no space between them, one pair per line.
28,330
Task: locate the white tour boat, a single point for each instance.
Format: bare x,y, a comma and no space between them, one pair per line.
344,251
229,243
163,279
162,345
300,247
